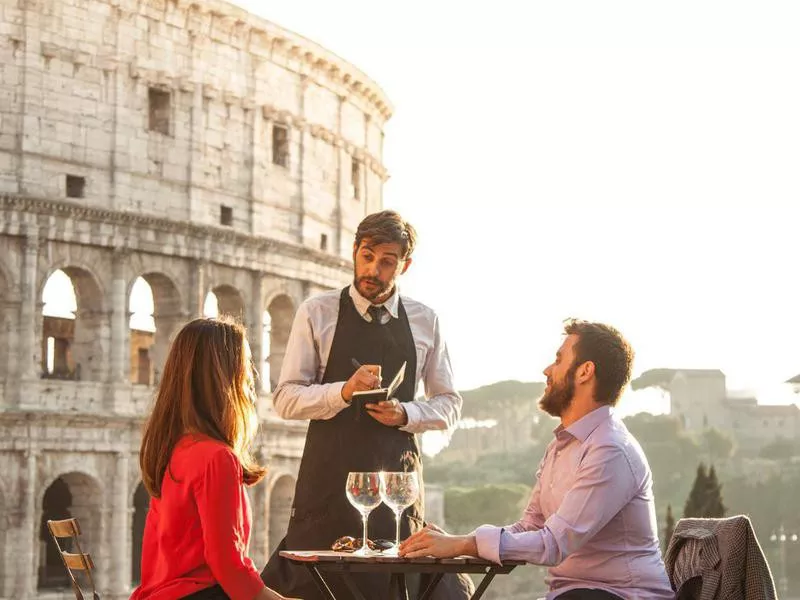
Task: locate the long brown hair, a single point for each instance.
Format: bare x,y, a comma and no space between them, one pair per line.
208,387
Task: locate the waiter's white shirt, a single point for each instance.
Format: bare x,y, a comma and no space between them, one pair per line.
301,395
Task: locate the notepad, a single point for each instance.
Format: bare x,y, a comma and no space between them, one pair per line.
384,393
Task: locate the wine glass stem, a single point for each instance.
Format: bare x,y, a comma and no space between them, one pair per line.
397,529
364,546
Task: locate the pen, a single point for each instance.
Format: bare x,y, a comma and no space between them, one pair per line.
357,365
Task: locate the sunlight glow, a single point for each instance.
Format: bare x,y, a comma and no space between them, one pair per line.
211,306
142,307
59,296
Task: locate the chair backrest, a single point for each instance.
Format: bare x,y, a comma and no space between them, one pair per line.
73,561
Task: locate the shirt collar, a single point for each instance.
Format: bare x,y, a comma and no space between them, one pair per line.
583,427
362,304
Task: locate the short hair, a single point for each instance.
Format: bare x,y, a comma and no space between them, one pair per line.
610,352
387,227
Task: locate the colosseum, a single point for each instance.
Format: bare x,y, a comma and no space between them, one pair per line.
187,154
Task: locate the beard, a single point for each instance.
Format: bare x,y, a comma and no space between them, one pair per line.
558,399
377,290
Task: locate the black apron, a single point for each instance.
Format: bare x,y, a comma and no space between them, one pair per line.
350,441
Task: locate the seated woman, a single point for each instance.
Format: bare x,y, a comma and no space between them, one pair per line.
196,462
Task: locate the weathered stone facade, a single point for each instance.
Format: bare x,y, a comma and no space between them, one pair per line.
190,144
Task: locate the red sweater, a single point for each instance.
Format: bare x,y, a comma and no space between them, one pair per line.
197,534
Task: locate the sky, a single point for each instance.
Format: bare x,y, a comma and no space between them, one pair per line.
629,162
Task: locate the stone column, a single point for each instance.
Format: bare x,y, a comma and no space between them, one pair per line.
258,538
255,328
341,186
195,163
27,368
197,289
28,567
254,121
120,353
302,133
120,535
9,352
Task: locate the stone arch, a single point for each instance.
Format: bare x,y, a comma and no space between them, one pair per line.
278,320
141,505
81,344
149,349
281,497
73,494
230,301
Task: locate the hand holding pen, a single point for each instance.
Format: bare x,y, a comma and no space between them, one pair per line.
366,377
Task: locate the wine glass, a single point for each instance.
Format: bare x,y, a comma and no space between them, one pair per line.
399,490
363,492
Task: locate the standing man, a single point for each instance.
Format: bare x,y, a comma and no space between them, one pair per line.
369,324
591,517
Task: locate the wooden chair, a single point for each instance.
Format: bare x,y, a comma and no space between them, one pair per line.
73,561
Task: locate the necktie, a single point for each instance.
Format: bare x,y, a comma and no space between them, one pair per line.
376,312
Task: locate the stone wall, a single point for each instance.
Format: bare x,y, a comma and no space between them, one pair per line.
179,109
194,146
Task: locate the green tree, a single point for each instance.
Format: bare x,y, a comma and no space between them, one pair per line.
467,508
714,507
696,501
669,528
716,444
705,499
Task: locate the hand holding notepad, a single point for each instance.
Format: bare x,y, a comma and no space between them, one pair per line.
366,377
381,393
379,402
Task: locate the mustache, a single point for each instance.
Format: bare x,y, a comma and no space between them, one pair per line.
371,280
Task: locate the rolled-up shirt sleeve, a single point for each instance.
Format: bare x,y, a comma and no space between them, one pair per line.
604,484
220,505
442,408
298,395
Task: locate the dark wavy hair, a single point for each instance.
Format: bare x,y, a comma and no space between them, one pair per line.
610,352
387,227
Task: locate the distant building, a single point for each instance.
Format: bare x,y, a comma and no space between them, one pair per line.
699,399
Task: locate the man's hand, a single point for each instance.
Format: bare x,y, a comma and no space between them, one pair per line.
367,377
432,541
388,412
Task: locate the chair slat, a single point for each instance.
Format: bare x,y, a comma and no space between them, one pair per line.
65,528
75,561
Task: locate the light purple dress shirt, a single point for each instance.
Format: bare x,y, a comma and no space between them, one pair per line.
591,517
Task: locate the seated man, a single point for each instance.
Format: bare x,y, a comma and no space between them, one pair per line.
591,515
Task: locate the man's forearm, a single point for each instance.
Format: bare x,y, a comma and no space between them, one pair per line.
469,545
301,401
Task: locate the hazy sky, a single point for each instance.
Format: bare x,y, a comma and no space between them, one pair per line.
633,162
